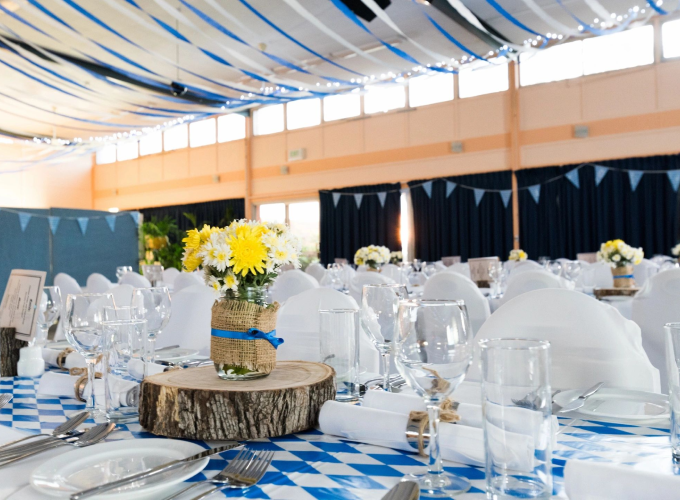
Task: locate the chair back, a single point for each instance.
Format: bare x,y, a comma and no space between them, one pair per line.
189,324
98,283
292,283
136,280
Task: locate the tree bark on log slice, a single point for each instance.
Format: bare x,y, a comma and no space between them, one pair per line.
9,352
196,404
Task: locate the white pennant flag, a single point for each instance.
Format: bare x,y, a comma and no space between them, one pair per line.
381,198
357,198
336,199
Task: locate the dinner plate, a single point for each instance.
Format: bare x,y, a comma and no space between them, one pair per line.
59,344
619,405
92,466
176,354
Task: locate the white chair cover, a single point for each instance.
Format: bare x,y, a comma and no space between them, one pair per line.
602,275
356,284
524,266
122,295
362,269
460,268
315,269
298,324
453,286
292,283
67,286
170,275
644,270
136,280
185,280
653,306
98,283
590,341
189,324
391,271
439,265
531,280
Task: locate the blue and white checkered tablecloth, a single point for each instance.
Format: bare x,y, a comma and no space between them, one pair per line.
312,465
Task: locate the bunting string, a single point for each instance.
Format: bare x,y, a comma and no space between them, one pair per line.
83,222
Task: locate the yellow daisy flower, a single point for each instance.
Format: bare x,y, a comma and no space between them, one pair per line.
193,239
191,261
248,253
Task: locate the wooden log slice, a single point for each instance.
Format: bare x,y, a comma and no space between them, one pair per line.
9,352
196,404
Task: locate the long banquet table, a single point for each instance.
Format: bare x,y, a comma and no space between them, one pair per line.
312,465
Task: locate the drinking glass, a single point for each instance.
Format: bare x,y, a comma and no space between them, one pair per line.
379,314
339,340
554,267
433,353
430,270
122,270
517,423
495,272
543,260
672,333
154,305
122,346
572,270
417,264
49,310
154,273
83,319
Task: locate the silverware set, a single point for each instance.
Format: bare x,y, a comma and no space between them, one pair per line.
63,430
4,399
533,401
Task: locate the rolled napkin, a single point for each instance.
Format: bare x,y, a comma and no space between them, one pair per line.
458,443
136,368
63,384
586,480
73,360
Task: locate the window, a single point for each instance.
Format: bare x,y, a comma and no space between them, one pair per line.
272,212
429,89
670,38
151,144
552,65
127,151
107,154
381,98
485,79
304,223
303,113
626,49
337,107
231,127
176,138
202,133
268,120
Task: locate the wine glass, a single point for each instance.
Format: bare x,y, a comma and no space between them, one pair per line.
379,309
554,267
152,304
84,316
49,310
495,272
122,270
433,353
430,269
572,270
417,264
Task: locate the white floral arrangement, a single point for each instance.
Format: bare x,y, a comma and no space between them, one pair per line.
676,250
396,257
244,254
518,255
617,253
372,256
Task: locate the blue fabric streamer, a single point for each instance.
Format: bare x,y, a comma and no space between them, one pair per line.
252,334
98,21
656,8
513,20
450,38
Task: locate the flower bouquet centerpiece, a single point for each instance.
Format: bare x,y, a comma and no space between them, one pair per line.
238,262
676,250
621,258
396,258
517,255
372,257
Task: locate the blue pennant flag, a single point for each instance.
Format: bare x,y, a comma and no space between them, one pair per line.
135,217
382,197
336,199
24,218
505,196
573,178
82,222
634,176
427,186
674,177
111,221
53,220
450,186
479,193
357,199
600,172
535,192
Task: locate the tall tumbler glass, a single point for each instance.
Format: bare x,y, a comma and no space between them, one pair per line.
49,310
154,305
517,422
672,331
339,342
379,314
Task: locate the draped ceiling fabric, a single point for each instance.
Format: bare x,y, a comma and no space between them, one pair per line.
568,220
346,228
210,212
456,225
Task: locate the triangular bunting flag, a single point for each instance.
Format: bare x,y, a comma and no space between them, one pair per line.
382,197
479,193
111,221
403,190
357,199
573,178
674,177
505,196
54,223
336,199
600,172
135,217
427,186
535,192
634,176
82,222
24,218
450,186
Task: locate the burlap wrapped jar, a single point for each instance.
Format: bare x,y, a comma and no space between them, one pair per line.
242,359
623,277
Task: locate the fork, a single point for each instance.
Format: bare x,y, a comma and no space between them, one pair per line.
63,430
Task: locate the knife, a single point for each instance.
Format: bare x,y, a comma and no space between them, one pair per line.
581,400
151,472
406,490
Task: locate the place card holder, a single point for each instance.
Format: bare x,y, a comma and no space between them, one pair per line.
9,352
479,270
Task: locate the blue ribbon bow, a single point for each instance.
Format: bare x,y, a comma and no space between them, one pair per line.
252,334
623,276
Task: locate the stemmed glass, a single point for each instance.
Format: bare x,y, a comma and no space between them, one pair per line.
495,274
429,270
152,304
379,309
572,270
433,353
417,264
554,267
122,270
84,316
49,310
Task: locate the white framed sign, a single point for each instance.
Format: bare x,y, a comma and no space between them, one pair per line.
19,306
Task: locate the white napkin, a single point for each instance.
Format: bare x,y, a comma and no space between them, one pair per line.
136,368
63,384
459,443
73,360
585,480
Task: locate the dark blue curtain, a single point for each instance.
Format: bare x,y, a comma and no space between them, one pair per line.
568,220
455,225
211,212
346,228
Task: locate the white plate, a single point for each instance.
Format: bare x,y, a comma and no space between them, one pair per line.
59,344
619,405
176,354
616,298
102,463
